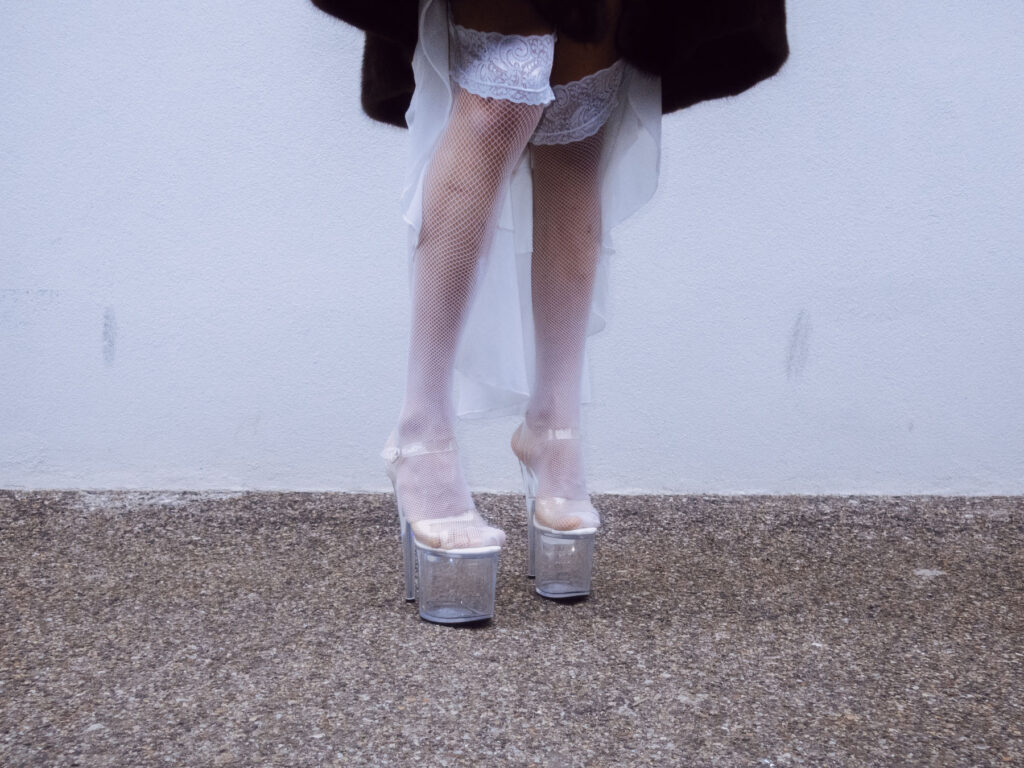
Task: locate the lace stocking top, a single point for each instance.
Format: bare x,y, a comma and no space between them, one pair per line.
500,66
581,107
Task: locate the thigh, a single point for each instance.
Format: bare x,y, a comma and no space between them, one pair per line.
574,60
510,17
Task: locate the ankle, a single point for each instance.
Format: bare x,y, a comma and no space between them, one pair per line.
423,427
539,418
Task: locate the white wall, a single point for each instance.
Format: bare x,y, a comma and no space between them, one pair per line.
203,268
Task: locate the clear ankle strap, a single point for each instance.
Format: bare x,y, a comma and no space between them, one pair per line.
559,433
392,453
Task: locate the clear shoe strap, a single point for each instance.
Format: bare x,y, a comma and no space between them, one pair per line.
392,453
559,433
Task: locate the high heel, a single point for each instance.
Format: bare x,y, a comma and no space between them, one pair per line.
456,584
560,531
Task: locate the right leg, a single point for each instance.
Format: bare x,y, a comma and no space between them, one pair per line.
477,151
567,151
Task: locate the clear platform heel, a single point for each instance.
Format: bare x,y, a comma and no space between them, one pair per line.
561,532
456,584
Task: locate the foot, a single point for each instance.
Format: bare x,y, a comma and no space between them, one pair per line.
554,456
433,495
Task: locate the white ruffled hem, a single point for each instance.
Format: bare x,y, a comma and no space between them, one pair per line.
495,361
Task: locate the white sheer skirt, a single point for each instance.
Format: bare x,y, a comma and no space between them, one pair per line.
494,365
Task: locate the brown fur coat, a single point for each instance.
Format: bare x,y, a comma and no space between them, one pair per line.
702,49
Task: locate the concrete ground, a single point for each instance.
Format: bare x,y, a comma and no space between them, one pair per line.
194,629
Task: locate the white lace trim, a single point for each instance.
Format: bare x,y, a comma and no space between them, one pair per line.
580,107
499,66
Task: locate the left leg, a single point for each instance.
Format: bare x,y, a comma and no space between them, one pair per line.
566,152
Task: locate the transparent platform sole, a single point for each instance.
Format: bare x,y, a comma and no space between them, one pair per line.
455,585
560,562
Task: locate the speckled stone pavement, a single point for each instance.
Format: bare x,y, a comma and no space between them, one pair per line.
194,629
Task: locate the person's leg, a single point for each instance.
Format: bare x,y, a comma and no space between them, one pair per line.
477,151
566,155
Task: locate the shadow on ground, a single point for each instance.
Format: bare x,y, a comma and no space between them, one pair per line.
153,628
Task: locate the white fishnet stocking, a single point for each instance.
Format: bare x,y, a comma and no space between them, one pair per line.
475,155
567,232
